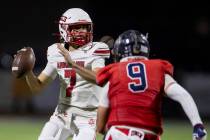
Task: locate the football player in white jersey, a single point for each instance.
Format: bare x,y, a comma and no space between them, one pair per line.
75,114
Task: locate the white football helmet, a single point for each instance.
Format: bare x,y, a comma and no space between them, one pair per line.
72,19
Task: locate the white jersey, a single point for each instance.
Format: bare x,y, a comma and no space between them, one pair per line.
74,90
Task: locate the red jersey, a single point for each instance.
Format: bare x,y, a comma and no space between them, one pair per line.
135,92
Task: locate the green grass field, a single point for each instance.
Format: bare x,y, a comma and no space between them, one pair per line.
12,128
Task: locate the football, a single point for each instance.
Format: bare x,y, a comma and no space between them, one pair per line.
23,62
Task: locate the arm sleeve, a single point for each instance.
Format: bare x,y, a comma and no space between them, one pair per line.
101,50
104,100
177,93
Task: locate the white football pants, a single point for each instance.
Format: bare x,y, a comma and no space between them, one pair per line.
59,127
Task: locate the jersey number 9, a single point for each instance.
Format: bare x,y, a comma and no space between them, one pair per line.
137,73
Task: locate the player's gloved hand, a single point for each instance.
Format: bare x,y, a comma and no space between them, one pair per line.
199,132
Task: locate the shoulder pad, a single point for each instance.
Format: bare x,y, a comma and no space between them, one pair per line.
168,67
53,52
101,49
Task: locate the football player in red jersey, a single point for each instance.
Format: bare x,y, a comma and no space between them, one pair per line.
136,87
131,109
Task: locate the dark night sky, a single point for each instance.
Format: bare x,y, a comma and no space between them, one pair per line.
178,32
171,26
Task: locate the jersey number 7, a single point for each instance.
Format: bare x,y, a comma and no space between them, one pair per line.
72,75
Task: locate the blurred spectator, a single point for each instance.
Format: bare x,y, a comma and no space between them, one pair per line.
5,60
202,26
197,46
109,40
22,101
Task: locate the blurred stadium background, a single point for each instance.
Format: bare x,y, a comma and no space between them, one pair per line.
177,32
